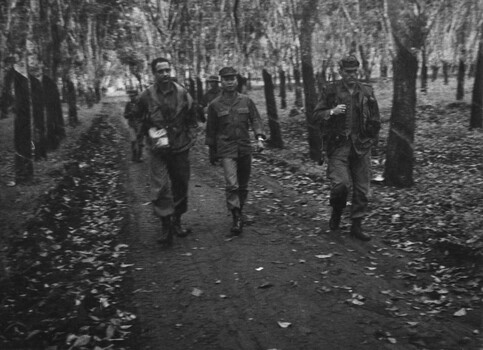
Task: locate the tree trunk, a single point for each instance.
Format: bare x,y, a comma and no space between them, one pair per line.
283,91
424,71
434,72
24,168
400,143
39,136
314,134
298,88
53,109
476,118
460,89
446,72
71,98
273,123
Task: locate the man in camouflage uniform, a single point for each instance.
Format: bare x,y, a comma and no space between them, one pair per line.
227,134
348,115
167,106
135,134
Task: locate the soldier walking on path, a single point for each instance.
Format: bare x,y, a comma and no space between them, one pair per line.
213,90
348,115
167,113
135,133
227,134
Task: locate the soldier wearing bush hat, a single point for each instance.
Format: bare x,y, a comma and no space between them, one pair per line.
227,134
348,116
213,90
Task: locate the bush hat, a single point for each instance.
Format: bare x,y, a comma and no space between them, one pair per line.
213,78
227,71
349,62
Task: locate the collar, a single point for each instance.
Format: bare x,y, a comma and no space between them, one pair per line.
170,89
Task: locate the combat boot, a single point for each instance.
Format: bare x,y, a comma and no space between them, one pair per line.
335,217
166,236
237,226
176,226
356,230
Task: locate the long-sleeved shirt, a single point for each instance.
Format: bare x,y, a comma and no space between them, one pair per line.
172,110
229,120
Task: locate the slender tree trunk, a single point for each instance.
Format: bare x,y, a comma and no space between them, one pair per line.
400,143
53,109
38,118
71,97
283,91
476,118
298,88
446,69
460,89
424,71
24,168
273,123
314,134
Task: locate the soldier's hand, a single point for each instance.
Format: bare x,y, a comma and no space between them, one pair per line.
339,109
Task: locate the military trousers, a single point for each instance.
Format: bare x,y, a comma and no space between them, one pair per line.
169,175
347,170
237,174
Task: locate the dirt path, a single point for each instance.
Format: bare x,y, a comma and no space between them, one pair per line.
284,284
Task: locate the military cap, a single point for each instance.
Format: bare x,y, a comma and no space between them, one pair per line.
132,92
349,62
213,78
227,71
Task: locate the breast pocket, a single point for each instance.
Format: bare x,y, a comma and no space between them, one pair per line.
223,117
243,114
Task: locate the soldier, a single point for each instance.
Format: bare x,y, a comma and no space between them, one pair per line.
227,135
348,115
166,109
213,90
135,134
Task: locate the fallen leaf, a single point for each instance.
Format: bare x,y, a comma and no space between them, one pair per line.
460,312
325,256
196,292
284,324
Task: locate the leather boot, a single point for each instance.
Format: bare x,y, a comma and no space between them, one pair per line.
237,226
356,230
334,221
177,229
166,236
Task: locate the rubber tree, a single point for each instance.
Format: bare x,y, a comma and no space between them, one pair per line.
306,29
407,30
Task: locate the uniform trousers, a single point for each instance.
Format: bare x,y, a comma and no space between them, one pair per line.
348,170
169,175
237,174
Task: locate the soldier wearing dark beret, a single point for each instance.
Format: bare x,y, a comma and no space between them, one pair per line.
348,116
230,116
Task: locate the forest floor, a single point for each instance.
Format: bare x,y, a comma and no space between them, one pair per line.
81,269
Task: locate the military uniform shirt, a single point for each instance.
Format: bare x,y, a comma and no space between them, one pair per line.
228,125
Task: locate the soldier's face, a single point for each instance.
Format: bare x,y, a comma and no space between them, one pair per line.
228,83
162,72
349,75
